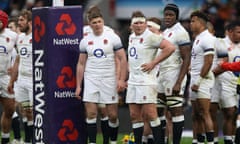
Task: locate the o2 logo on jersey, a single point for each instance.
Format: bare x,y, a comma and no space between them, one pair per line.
236,59
3,49
133,52
23,51
98,53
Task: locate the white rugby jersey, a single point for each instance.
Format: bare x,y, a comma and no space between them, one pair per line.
222,45
234,55
7,41
178,36
24,48
100,51
142,49
221,49
203,45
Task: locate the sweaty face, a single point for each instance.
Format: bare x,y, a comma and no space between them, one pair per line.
12,26
169,18
23,24
97,25
139,27
236,34
194,23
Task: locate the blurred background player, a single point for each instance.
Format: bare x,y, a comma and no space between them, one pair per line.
22,71
12,25
7,42
224,96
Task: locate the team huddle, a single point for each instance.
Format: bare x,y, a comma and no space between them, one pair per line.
153,70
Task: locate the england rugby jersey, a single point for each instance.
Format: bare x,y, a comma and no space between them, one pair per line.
100,52
203,45
234,55
221,49
178,36
222,45
7,41
24,48
142,49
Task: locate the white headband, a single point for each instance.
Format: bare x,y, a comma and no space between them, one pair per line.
153,24
138,19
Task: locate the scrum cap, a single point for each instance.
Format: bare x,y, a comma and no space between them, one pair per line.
4,18
172,7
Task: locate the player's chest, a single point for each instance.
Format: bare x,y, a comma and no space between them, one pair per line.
102,45
24,47
6,44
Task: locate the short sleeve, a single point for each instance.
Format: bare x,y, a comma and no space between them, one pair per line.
82,46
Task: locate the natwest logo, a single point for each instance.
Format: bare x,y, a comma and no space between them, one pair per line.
66,79
39,29
68,132
65,26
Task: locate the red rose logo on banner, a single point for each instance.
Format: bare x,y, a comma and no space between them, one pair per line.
65,25
66,79
68,132
39,27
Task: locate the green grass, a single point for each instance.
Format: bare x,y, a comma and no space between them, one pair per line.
185,140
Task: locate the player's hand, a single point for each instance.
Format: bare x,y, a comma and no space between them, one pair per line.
147,67
176,89
195,88
77,93
121,86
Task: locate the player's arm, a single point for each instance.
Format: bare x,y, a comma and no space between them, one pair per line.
167,49
234,66
122,69
218,69
79,73
14,75
185,52
208,59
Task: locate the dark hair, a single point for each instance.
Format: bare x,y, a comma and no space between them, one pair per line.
94,12
172,7
27,14
232,25
154,19
137,14
200,15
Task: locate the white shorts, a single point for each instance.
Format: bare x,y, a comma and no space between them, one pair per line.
24,91
166,81
205,87
4,80
141,94
100,90
224,92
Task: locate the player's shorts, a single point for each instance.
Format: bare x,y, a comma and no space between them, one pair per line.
100,90
24,91
167,80
141,94
224,92
205,87
4,80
